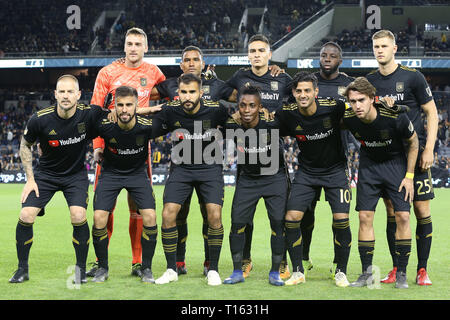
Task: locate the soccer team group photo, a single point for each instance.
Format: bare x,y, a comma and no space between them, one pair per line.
266,157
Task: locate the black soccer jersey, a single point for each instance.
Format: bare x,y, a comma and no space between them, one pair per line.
125,151
63,141
273,89
318,136
213,89
383,138
194,129
333,89
406,86
254,147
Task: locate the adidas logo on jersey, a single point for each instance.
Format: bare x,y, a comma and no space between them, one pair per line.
52,133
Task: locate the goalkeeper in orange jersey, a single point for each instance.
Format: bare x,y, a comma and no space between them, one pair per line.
142,76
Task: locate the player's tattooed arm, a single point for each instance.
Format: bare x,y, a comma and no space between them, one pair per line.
26,156
408,181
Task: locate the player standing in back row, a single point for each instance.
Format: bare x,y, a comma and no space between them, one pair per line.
408,86
142,76
274,90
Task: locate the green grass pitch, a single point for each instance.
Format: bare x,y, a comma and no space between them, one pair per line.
52,258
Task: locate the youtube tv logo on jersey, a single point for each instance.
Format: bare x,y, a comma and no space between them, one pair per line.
53,143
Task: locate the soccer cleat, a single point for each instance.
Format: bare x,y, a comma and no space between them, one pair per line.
136,270
20,275
400,281
296,278
274,279
93,270
236,277
391,277
363,280
169,275
247,266
101,275
147,276
205,268
422,278
341,279
213,278
181,268
284,271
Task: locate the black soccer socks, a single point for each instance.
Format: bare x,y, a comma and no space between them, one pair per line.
366,250
100,241
424,232
169,238
24,240
80,241
342,242
402,250
237,242
182,228
148,242
294,244
215,239
391,227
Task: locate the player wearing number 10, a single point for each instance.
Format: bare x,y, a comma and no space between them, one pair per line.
315,123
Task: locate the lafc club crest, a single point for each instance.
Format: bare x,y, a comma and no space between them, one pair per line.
143,82
399,86
274,85
327,123
140,141
205,89
341,90
81,127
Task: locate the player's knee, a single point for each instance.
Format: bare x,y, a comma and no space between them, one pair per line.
292,215
28,214
422,209
169,214
402,219
77,214
366,219
148,217
100,219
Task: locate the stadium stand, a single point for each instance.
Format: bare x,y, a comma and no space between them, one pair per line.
45,31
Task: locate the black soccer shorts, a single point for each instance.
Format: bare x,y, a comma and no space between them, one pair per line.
306,187
74,187
137,184
381,179
273,189
207,182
